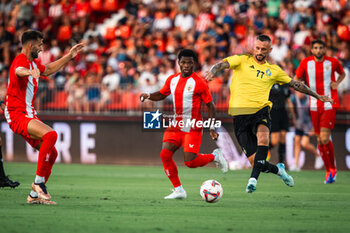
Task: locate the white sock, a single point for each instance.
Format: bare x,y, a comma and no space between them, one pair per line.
179,188
33,194
39,179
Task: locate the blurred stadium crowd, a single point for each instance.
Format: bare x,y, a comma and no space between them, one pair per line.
132,45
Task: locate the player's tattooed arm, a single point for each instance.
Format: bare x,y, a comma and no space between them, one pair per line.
209,75
301,87
156,96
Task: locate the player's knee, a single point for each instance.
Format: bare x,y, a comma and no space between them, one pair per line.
263,140
52,136
166,154
324,140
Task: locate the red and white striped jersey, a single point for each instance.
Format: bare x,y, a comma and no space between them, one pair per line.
21,91
187,94
319,76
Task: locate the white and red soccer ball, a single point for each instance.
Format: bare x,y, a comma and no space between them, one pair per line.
211,191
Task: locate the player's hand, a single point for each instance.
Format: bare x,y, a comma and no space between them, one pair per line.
325,98
214,135
209,76
144,96
334,85
35,73
76,49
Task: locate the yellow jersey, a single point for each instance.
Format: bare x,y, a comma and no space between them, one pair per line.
251,84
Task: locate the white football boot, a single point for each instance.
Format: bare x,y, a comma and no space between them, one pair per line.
251,186
220,160
177,194
287,179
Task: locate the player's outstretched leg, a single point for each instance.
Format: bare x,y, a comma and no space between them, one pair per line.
220,160
287,179
43,166
170,169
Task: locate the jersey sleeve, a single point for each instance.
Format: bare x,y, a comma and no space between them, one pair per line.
205,93
281,77
338,67
234,61
301,69
20,62
165,90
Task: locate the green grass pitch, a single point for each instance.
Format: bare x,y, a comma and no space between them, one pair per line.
103,198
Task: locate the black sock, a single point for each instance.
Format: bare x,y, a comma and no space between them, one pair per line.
281,152
259,161
2,171
270,168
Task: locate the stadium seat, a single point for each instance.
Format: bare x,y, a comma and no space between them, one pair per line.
59,101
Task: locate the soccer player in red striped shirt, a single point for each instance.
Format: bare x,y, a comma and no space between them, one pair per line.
20,114
188,90
319,71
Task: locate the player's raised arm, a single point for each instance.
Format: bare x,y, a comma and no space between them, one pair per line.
57,65
210,75
156,96
300,86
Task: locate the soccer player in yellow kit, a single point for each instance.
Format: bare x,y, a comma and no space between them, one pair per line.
249,105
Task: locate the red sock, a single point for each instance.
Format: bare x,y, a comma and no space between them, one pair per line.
200,161
330,151
52,159
170,167
49,141
324,156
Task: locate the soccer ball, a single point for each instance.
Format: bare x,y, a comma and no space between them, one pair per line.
211,191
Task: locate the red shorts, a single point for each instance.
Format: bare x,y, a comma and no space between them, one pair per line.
323,119
191,142
19,125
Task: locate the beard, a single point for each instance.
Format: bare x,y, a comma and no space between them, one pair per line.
262,57
319,56
34,54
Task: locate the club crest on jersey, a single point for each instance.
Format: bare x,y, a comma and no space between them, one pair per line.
189,87
268,72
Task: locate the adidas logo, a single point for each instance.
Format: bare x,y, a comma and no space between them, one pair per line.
252,66
261,161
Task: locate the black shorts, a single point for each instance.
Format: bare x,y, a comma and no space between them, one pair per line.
279,119
246,126
301,132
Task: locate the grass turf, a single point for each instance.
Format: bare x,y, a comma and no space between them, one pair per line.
102,198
